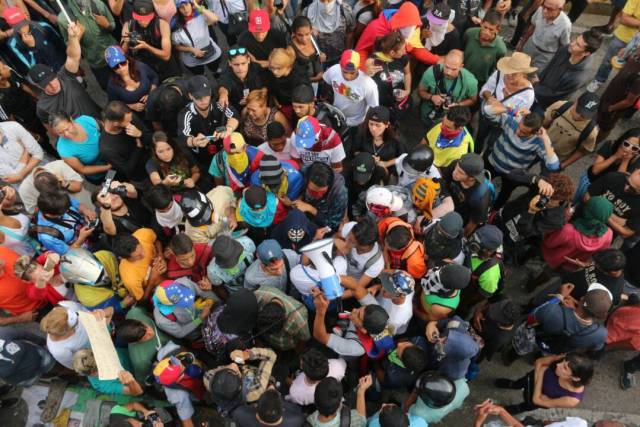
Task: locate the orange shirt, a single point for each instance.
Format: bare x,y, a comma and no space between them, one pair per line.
411,259
13,291
135,274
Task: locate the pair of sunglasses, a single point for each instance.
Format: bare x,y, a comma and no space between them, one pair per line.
237,51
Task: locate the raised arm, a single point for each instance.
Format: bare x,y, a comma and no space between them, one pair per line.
74,34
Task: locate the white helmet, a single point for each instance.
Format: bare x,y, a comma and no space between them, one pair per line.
80,266
381,196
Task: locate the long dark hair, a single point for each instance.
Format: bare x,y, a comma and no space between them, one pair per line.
134,73
581,367
180,20
631,133
389,134
179,160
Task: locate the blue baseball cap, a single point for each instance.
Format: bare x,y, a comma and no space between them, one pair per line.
174,294
114,55
269,250
181,2
306,131
397,282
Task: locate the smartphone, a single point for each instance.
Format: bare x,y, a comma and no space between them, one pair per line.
172,176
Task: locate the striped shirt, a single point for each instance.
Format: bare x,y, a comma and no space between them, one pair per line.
513,152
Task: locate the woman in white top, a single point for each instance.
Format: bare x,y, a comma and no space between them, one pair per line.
66,335
508,90
14,233
192,39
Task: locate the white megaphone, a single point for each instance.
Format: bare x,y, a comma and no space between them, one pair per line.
320,255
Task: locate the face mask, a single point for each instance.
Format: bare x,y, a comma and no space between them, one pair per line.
238,162
448,133
407,31
171,218
315,195
329,6
295,235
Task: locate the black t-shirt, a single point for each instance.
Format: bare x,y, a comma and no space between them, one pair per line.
72,99
607,150
625,204
390,149
125,157
495,338
261,51
518,224
471,203
19,361
632,269
239,89
192,123
245,416
584,277
153,112
391,77
15,101
137,217
281,88
451,41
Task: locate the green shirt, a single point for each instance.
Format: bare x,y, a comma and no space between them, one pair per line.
143,354
481,59
462,87
95,39
488,281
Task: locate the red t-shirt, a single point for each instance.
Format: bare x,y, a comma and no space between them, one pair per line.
13,291
204,254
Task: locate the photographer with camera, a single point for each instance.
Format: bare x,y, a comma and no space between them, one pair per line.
525,219
444,86
147,38
120,211
204,123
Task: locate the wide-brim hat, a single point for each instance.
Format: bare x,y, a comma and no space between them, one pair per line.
517,63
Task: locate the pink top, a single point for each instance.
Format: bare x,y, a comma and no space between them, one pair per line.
569,242
624,325
166,11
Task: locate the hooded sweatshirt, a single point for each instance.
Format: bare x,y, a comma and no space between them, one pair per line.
569,242
332,206
295,219
392,20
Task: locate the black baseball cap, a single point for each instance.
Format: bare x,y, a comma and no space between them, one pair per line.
473,165
41,75
240,313
363,166
199,86
255,197
380,114
223,383
587,105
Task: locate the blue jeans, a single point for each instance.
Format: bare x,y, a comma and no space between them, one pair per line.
605,68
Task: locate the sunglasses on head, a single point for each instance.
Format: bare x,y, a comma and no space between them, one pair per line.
633,147
120,65
237,51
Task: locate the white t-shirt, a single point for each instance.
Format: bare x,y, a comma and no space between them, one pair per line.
234,6
64,350
29,194
283,155
304,283
200,38
302,393
18,245
406,179
399,315
353,97
327,156
357,262
515,103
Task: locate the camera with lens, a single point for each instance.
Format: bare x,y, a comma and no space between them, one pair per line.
119,190
542,202
134,38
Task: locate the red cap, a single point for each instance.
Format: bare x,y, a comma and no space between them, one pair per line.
350,60
13,16
259,21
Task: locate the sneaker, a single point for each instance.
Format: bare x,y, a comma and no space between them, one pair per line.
604,29
593,86
627,379
513,18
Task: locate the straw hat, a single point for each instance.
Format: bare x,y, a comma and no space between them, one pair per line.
517,63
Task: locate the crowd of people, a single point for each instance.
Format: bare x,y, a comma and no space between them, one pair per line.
255,221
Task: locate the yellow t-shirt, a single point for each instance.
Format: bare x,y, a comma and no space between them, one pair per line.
443,156
134,274
90,296
624,32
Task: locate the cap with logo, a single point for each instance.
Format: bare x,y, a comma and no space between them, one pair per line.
15,17
440,13
307,131
269,250
199,86
397,282
587,105
143,10
197,207
259,21
174,294
380,114
350,60
168,371
41,75
363,166
233,143
114,55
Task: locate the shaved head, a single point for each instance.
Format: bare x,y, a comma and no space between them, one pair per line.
453,63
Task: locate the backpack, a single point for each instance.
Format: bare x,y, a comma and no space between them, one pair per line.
487,185
560,343
587,129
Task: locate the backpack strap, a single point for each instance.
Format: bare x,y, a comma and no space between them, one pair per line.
561,110
584,134
345,416
367,8
485,266
287,269
374,258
